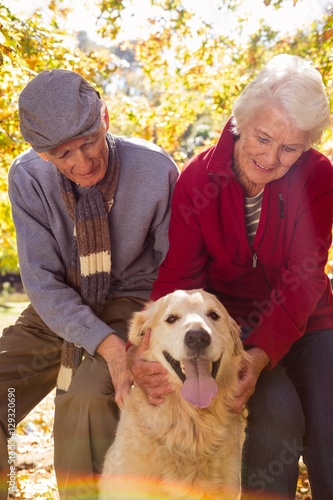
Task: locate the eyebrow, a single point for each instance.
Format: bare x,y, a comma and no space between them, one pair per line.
60,149
55,151
297,144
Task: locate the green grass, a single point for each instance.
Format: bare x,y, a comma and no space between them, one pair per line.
11,306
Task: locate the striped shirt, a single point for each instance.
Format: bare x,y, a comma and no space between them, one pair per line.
252,215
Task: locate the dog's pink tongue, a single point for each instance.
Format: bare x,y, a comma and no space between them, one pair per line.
199,387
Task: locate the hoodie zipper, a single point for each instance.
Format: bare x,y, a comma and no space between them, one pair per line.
282,213
281,203
282,216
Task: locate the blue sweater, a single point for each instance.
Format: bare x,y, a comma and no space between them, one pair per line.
138,220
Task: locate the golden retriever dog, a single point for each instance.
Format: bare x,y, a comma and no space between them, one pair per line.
190,446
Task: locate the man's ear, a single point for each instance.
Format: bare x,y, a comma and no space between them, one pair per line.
105,116
42,156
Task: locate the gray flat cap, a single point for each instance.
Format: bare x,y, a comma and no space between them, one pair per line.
56,106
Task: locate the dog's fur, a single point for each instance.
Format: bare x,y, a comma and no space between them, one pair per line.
177,450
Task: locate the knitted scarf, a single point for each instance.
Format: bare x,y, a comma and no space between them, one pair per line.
90,270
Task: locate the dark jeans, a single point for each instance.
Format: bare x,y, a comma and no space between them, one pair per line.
291,415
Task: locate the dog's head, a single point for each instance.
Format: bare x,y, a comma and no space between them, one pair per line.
193,336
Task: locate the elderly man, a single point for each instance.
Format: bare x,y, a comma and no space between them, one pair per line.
82,199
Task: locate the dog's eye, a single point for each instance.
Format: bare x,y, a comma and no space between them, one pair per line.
213,315
171,319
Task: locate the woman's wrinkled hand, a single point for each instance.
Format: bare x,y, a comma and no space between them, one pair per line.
253,364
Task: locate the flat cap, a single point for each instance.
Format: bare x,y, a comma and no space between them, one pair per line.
56,106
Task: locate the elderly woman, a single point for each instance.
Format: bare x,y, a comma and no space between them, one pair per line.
251,222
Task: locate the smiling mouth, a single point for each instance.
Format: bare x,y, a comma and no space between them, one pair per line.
178,367
89,174
261,166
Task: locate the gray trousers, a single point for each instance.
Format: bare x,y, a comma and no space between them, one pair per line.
85,417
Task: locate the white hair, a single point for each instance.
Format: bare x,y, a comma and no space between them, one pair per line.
292,83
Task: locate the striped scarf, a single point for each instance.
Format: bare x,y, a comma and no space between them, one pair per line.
90,270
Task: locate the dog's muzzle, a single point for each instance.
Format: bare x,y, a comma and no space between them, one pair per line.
176,366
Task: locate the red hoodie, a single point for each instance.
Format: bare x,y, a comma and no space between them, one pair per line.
278,287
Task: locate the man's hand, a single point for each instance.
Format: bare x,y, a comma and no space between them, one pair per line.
150,376
112,349
253,365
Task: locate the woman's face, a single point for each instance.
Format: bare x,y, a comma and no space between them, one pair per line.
268,145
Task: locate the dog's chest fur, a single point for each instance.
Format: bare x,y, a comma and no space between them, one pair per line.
178,447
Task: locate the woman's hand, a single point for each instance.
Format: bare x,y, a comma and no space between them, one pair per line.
150,376
255,361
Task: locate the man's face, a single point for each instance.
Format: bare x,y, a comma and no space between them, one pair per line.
83,160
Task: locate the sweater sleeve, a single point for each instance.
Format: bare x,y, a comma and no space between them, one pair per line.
41,263
44,238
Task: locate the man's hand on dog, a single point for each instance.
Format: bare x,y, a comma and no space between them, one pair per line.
253,365
151,376
112,349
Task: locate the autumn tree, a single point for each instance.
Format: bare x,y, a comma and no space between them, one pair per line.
28,46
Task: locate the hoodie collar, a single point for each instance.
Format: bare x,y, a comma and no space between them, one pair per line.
220,162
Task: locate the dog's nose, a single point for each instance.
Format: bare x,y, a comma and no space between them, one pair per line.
197,338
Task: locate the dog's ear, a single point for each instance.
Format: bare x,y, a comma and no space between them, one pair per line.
138,326
235,334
